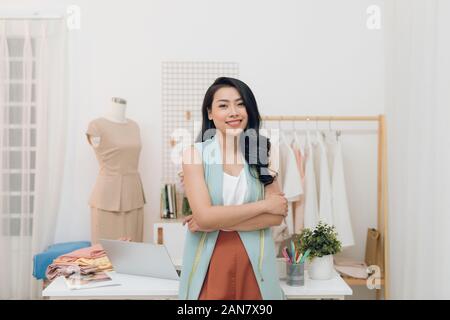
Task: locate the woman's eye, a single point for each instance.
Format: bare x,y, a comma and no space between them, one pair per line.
222,106
241,104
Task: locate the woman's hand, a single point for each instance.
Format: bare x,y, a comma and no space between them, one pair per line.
193,226
277,204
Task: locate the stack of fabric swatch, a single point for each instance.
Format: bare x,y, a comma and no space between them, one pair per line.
88,260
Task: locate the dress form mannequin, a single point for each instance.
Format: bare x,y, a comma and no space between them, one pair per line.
116,113
117,199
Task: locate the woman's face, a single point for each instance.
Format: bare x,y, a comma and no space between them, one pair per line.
228,111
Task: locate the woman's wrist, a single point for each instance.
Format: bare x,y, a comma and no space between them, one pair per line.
262,206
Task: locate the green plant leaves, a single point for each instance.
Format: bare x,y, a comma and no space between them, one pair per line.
321,241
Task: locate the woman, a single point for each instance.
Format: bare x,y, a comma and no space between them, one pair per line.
229,252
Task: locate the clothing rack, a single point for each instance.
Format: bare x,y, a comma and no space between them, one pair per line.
382,199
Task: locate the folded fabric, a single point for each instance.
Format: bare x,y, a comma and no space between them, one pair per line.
42,260
86,261
55,270
93,252
354,272
352,268
102,263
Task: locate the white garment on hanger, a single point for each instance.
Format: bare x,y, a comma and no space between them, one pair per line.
282,160
297,144
341,213
325,201
311,204
234,190
279,233
288,177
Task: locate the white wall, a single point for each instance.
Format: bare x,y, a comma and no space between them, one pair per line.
299,57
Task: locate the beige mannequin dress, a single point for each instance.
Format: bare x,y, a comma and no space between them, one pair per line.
117,200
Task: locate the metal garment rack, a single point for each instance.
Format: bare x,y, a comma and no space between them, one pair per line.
382,200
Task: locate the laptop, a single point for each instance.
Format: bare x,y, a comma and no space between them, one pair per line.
138,258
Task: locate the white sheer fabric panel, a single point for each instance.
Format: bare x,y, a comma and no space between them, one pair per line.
417,113
32,110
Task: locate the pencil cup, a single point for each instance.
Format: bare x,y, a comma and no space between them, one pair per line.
281,267
295,274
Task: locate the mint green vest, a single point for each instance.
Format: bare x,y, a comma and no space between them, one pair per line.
199,246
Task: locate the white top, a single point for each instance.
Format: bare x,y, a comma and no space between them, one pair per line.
311,213
282,160
234,189
325,207
341,211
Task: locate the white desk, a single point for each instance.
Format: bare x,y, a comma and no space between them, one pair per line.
132,287
335,288
138,287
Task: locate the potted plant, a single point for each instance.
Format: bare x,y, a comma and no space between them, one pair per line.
323,244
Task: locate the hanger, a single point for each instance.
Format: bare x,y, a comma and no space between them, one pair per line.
317,132
290,136
329,129
294,133
308,136
296,141
283,138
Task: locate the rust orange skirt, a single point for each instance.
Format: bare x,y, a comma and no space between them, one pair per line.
230,274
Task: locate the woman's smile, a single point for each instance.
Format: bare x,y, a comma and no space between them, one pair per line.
234,123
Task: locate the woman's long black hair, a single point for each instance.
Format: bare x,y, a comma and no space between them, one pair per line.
254,146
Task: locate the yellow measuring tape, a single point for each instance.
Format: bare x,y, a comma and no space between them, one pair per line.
261,251
196,261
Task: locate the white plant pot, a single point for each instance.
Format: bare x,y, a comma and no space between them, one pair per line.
321,268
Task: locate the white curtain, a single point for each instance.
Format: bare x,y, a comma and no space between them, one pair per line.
32,136
418,117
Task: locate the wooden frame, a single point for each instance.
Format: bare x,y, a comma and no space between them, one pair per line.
382,198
